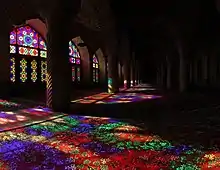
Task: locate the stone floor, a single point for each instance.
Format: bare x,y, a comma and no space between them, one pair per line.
152,137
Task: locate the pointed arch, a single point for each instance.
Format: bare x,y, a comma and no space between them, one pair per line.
102,66
75,61
28,53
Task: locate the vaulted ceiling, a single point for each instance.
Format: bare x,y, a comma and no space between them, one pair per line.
158,24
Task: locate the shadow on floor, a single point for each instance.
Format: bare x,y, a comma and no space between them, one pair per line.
191,119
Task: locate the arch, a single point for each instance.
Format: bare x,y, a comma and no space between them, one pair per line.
39,26
85,61
75,61
28,53
95,69
102,66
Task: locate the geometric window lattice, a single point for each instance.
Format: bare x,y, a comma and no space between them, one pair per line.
73,74
13,36
27,49
42,44
34,71
75,60
43,54
12,69
23,70
95,72
12,49
43,71
27,37
78,74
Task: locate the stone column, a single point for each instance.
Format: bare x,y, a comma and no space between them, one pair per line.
136,73
213,69
113,85
126,56
162,74
158,76
195,71
86,78
58,66
134,76
205,69
131,74
5,61
113,80
138,76
182,69
132,70
127,72
191,72
120,73
168,77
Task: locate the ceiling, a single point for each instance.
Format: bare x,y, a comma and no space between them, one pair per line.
158,25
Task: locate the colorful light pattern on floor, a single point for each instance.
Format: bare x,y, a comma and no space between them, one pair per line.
127,98
92,99
144,85
77,142
19,118
135,89
7,104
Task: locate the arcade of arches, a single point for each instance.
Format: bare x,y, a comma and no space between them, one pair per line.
28,57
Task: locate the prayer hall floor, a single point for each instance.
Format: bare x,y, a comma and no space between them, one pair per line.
85,142
18,115
144,133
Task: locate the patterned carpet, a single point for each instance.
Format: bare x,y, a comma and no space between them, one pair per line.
77,142
127,98
106,98
136,89
23,117
92,99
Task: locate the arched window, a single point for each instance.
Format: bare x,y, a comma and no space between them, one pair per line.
95,68
28,53
75,60
27,56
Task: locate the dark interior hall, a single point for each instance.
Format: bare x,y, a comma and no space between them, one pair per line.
109,85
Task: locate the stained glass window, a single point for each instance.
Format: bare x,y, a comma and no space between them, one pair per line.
43,71
34,71
26,36
27,49
12,70
73,74
29,52
95,72
75,61
78,74
23,70
12,49
13,37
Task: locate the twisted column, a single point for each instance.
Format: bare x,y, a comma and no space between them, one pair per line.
58,66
